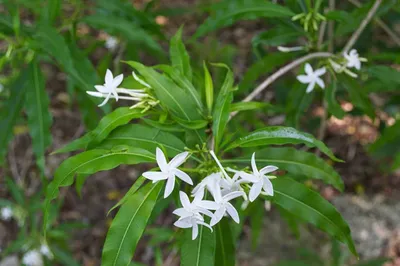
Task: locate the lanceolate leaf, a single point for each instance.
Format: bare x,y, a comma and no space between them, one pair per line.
297,163
311,207
128,226
225,246
170,95
198,252
333,106
277,135
179,56
39,117
144,137
11,111
90,162
118,117
228,12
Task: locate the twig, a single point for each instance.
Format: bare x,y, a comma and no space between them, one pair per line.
362,26
280,73
321,34
381,24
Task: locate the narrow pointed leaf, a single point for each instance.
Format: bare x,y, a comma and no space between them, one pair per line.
179,56
39,117
333,106
128,226
225,247
198,252
277,135
10,112
108,123
90,162
311,207
297,163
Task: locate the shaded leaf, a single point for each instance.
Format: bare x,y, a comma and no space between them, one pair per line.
199,252
225,247
179,56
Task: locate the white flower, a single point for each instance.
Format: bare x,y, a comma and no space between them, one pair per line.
221,205
312,77
108,88
32,258
45,250
207,182
169,171
111,43
191,208
353,59
259,179
192,222
290,49
6,213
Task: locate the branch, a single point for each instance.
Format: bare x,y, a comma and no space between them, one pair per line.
362,26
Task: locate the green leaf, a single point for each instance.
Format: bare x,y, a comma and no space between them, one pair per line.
276,36
208,88
256,216
277,135
313,208
228,12
170,95
333,106
297,163
39,117
144,137
179,56
184,83
225,247
108,123
248,106
388,143
90,162
166,126
198,252
222,106
128,226
11,111
138,183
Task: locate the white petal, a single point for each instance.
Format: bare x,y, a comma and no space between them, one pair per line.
183,223
182,212
178,160
161,160
195,231
320,71
208,204
308,69
253,163
232,212
255,191
184,199
320,83
267,186
95,94
105,100
233,195
249,177
357,65
217,216
215,191
198,195
155,176
205,212
183,176
169,187
310,87
117,81
206,225
268,169
109,77
304,79
101,88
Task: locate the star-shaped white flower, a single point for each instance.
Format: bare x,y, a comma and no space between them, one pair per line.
312,77
192,222
32,258
109,88
353,59
6,213
221,205
259,179
207,182
191,208
169,171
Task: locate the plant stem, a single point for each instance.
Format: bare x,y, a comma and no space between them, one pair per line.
280,73
381,24
362,26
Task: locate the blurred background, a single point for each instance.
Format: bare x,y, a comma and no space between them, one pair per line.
75,41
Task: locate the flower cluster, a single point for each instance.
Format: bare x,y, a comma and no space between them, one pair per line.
222,187
111,89
34,257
